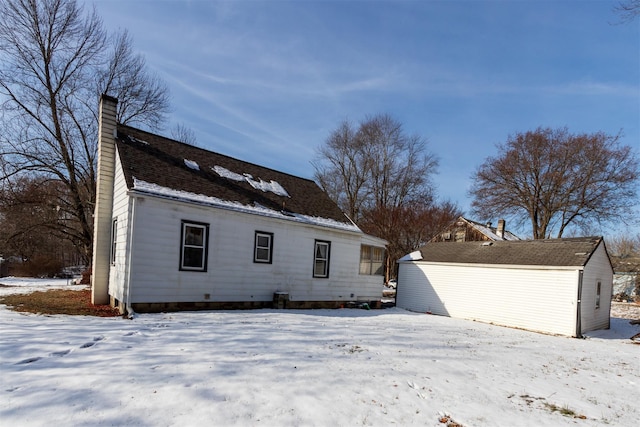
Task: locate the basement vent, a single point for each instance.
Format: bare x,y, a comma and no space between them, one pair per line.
487,244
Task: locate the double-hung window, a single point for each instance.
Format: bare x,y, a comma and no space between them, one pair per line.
321,259
371,260
263,247
193,246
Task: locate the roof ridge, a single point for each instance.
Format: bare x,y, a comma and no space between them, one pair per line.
190,146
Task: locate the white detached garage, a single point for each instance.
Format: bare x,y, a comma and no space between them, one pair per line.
558,286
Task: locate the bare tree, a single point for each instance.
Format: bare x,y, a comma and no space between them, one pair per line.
408,227
556,179
184,134
343,168
376,165
31,225
55,60
376,173
628,10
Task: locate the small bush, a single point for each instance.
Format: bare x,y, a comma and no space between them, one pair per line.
39,266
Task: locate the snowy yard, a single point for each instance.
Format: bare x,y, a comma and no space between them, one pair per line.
317,367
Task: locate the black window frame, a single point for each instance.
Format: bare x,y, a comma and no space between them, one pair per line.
325,274
205,245
114,240
269,259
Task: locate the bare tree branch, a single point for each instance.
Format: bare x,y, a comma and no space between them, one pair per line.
557,179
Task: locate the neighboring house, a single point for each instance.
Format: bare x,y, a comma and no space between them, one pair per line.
466,230
178,227
625,285
557,286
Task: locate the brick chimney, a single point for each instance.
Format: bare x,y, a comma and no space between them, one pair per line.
500,230
104,200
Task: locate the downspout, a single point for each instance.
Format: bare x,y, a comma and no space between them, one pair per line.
579,319
127,286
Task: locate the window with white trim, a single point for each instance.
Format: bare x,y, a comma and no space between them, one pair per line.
194,243
321,259
263,247
371,260
114,240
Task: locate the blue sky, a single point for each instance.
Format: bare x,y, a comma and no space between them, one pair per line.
267,81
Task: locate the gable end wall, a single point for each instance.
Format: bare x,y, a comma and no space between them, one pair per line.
598,269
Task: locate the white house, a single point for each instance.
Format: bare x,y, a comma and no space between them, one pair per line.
558,286
178,227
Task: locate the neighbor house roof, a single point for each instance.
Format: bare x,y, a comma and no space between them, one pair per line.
160,166
549,252
487,230
490,231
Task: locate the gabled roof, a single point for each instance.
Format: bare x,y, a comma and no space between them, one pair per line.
569,252
161,166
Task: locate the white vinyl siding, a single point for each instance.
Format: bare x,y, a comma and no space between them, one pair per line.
231,273
538,300
121,210
543,299
598,269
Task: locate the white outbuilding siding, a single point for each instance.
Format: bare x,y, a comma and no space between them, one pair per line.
568,298
517,297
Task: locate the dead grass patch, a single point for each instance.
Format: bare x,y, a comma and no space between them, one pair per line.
58,301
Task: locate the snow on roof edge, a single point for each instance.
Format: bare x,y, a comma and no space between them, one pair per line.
413,256
169,193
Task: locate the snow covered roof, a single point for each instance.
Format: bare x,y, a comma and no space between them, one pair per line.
570,252
473,230
491,232
160,166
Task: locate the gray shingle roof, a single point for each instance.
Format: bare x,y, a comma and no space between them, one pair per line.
161,161
551,252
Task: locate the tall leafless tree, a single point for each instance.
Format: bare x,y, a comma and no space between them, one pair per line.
55,61
376,172
182,133
376,165
343,167
555,179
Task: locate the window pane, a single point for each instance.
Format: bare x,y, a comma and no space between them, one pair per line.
365,252
365,267
263,241
193,257
320,268
321,251
262,254
377,268
194,236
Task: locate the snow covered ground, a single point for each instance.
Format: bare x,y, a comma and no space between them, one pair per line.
307,368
